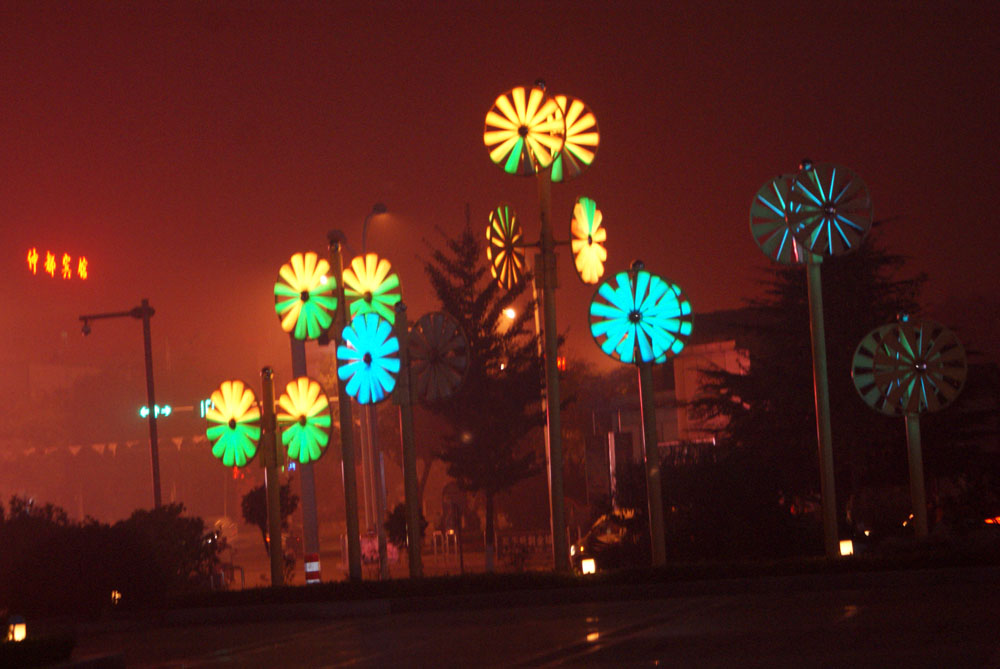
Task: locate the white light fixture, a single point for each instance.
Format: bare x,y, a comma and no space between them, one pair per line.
588,566
846,547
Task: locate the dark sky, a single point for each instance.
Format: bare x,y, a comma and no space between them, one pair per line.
189,148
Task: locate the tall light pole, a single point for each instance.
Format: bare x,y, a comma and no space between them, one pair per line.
143,312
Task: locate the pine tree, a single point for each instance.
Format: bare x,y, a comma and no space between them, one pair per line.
498,403
768,411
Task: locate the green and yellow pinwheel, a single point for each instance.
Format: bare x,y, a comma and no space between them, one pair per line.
582,137
304,296
233,423
304,418
524,131
589,253
370,286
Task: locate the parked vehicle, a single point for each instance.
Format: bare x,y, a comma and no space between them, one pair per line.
617,540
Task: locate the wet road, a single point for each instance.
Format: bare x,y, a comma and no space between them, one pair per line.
934,619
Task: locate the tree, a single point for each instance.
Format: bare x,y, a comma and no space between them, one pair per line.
254,507
498,404
767,411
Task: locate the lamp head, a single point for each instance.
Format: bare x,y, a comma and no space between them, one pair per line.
86,328
379,208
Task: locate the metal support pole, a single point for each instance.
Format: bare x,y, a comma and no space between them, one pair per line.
307,478
560,547
336,239
651,454
917,493
403,397
272,484
154,440
821,391
378,470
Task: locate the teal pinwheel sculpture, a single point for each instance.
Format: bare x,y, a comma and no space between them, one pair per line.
639,317
369,358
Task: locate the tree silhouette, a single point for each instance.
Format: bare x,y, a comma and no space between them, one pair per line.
498,404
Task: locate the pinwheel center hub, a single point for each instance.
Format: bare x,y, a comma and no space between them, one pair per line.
522,131
367,357
367,296
302,421
921,365
232,423
304,296
830,209
634,316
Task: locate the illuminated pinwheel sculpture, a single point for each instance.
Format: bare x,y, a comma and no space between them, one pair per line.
831,209
370,286
580,147
369,357
770,222
304,296
233,423
827,210
641,318
505,246
525,130
305,417
908,368
589,253
439,356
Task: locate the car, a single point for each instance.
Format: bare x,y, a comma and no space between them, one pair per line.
618,539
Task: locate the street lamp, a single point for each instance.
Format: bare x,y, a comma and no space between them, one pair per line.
143,312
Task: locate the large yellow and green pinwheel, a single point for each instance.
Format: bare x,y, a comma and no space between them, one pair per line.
582,137
642,318
589,253
505,246
524,131
370,286
304,296
304,417
233,423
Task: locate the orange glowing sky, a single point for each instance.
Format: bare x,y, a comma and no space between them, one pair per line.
189,148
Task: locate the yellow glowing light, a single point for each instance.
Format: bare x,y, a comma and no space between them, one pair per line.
67,270
587,243
370,286
593,636
846,547
50,263
81,267
115,597
17,630
588,566
509,313
524,131
33,260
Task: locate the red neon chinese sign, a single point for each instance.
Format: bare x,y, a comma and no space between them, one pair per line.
55,264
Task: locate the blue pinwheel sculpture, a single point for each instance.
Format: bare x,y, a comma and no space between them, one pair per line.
369,358
641,318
